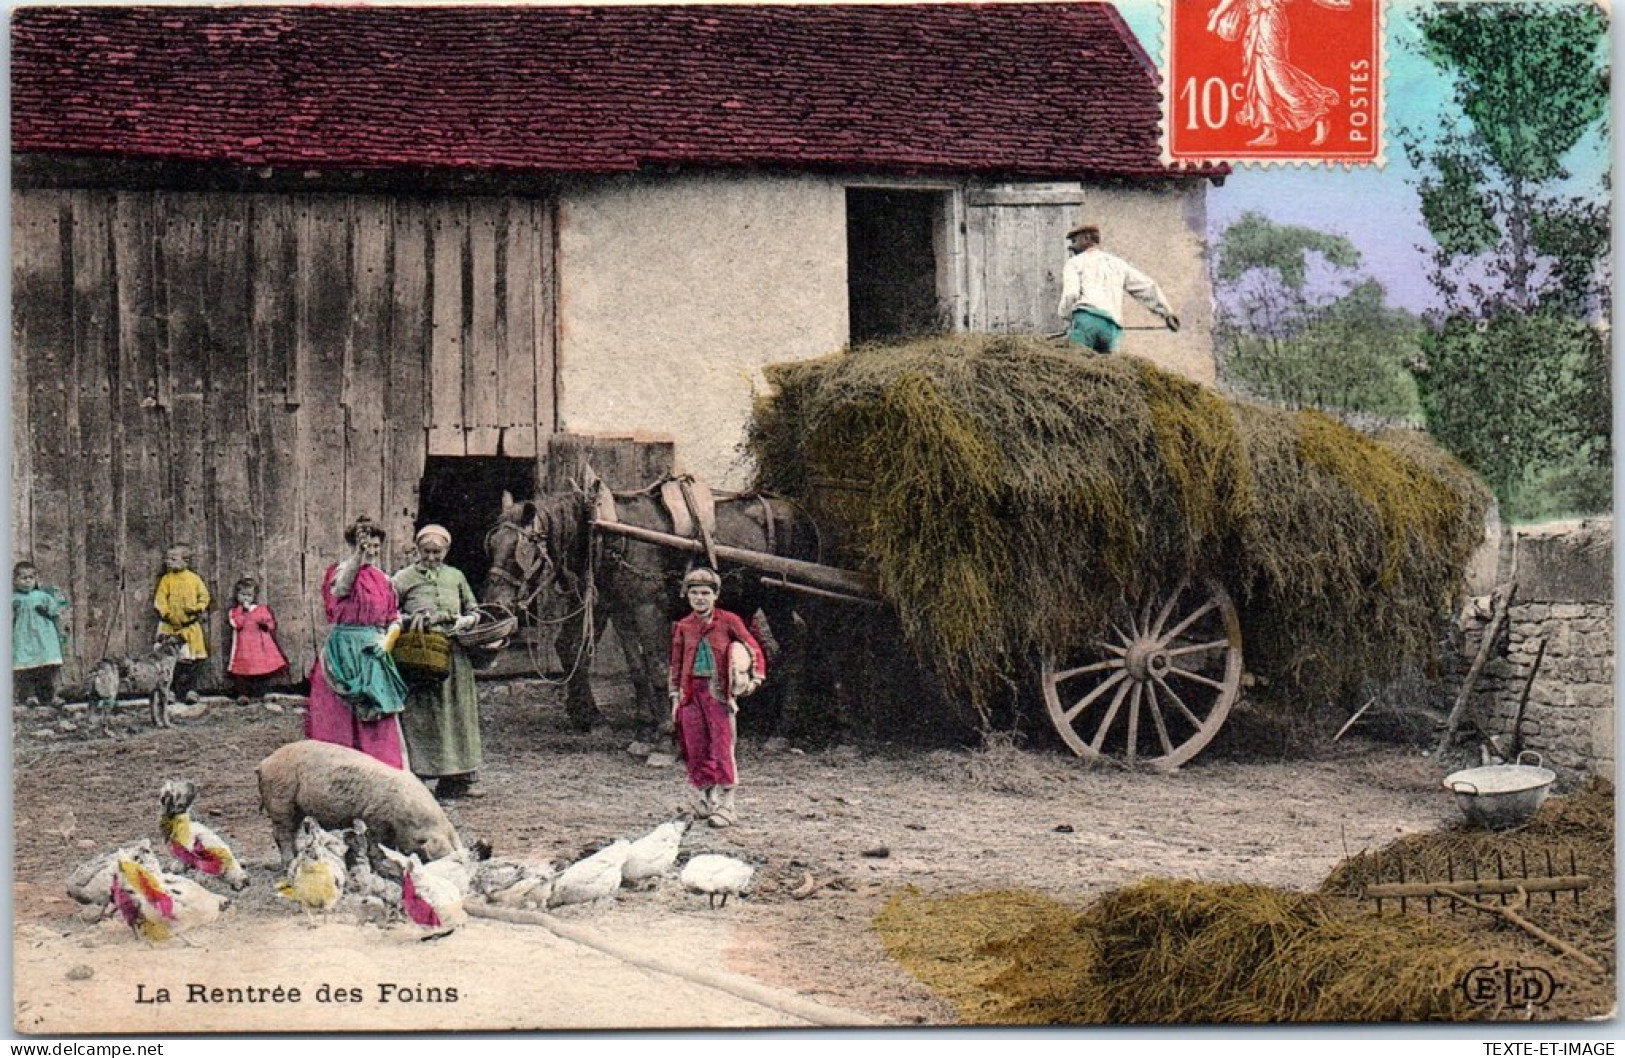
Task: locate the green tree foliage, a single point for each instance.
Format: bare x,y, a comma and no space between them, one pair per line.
1299,326
1531,81
1536,425
1515,379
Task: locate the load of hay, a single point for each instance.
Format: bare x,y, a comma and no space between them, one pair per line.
1008,492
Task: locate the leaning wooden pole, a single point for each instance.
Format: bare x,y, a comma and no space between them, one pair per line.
1500,607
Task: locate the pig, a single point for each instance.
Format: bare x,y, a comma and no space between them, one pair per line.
336,786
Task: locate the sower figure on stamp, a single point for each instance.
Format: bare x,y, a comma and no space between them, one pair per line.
704,688
1092,287
1278,93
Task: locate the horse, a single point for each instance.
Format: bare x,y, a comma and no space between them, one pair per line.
545,555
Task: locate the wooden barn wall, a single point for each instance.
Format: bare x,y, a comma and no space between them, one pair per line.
247,372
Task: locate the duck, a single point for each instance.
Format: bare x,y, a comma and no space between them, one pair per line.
717,875
595,878
653,854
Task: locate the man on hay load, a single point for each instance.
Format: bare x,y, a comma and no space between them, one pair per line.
1092,287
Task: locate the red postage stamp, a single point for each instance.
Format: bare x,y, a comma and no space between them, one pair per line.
1274,80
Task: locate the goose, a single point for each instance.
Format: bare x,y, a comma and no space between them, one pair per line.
716,875
594,878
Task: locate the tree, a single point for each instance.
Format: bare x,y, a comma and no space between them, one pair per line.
1530,80
1300,326
1515,377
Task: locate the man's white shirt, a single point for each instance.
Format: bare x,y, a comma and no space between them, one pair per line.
1095,279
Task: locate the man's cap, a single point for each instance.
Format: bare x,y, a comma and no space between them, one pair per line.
1084,227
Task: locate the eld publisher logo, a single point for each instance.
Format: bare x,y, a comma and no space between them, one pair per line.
1512,986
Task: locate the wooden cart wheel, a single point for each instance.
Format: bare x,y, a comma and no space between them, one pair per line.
1157,686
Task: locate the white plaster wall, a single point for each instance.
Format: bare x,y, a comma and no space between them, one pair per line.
1162,232
675,290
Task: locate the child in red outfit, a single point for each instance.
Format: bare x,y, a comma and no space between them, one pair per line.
703,690
255,655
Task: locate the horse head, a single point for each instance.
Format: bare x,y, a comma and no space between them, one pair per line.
538,545
520,565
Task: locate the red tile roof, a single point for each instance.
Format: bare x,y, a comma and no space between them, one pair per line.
1053,90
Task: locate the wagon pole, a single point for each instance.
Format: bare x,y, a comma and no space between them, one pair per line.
1523,700
827,578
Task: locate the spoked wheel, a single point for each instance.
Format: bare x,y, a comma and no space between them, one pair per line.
1157,686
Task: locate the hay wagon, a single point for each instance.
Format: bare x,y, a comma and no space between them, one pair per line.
1153,690
1110,532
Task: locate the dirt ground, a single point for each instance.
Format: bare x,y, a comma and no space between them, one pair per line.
853,826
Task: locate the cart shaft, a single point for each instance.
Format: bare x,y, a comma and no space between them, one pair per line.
812,574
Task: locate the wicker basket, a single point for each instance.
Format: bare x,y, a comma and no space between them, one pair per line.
423,656
492,631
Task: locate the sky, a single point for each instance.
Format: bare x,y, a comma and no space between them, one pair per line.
1375,208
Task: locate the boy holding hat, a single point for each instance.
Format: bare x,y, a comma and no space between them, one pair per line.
704,684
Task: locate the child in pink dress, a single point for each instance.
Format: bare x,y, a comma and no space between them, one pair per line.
255,655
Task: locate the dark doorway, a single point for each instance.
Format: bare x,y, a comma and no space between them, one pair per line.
464,494
891,263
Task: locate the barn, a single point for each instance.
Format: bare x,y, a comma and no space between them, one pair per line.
277,266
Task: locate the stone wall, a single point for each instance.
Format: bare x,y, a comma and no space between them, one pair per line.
1562,618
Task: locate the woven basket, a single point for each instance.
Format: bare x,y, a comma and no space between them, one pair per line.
423,656
489,632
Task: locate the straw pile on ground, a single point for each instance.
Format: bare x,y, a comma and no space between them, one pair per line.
1010,492
1182,952
1179,953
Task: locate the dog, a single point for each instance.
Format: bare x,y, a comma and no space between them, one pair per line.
152,675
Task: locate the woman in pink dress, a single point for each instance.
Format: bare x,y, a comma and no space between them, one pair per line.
356,693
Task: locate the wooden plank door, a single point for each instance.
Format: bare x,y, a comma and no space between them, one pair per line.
1016,248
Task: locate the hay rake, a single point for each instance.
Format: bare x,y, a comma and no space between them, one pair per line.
1505,895
1465,880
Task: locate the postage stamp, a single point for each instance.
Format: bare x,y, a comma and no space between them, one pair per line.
1275,81
1156,458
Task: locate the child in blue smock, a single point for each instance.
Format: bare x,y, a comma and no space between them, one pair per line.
38,636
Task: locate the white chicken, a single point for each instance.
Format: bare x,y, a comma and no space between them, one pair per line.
457,869
597,877
194,845
428,899
161,907
716,875
653,854
91,882
317,875
511,883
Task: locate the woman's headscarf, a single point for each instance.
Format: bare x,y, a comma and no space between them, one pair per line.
433,532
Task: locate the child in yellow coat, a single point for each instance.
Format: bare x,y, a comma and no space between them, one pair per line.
181,601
